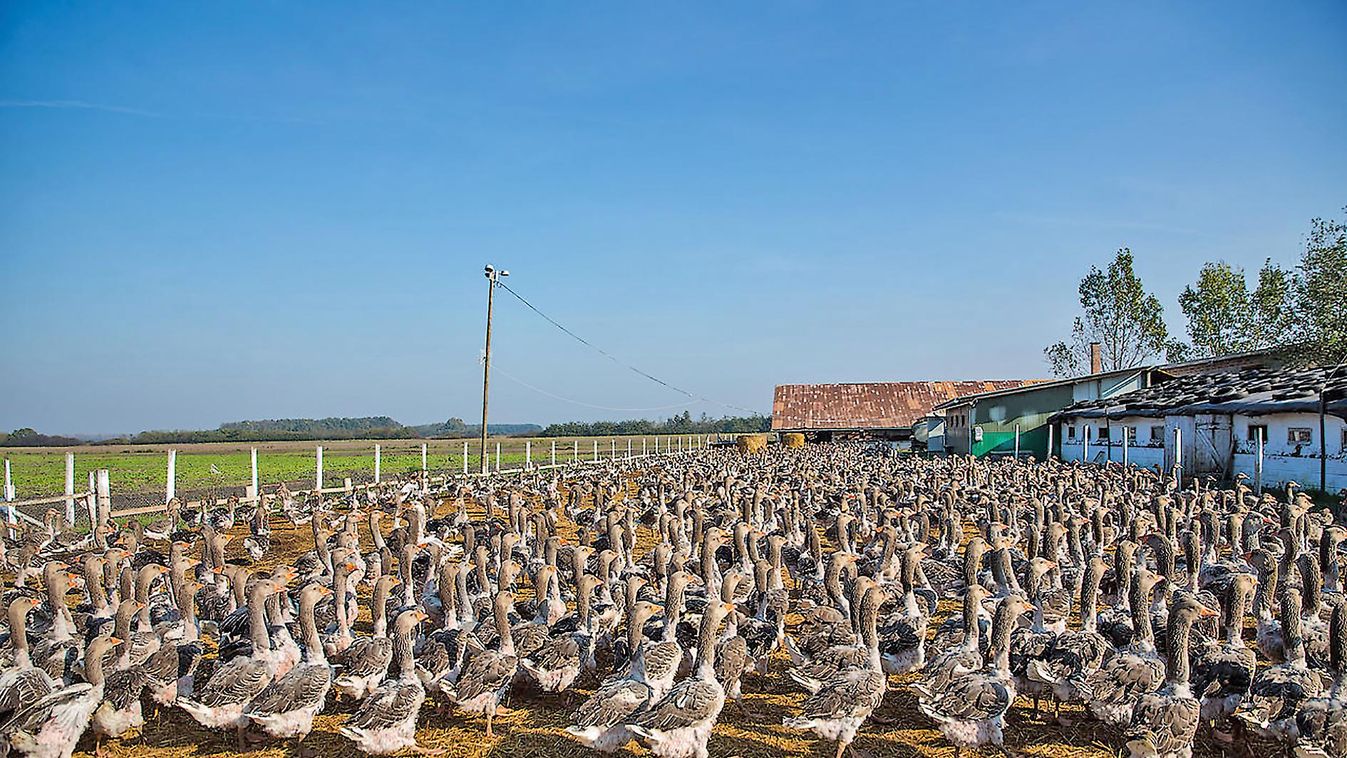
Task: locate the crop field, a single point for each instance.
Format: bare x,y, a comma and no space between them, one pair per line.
143,469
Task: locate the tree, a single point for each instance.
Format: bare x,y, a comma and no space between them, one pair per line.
1126,321
1319,333
1224,317
1218,311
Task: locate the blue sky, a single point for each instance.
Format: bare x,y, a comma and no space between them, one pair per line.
212,212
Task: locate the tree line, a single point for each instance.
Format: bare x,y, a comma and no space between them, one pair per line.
682,423
1299,311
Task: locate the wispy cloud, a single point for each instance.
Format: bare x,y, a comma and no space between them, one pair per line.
77,105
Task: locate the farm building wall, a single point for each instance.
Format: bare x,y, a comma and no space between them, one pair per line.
1284,459
1106,444
1029,408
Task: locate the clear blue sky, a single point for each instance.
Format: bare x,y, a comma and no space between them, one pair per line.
220,211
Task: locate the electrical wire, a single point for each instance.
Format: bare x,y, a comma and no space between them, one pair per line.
555,396
614,359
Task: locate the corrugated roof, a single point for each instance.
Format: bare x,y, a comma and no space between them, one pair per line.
1252,392
869,405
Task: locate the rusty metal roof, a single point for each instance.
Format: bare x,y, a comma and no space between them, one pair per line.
869,405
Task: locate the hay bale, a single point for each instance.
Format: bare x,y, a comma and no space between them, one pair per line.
793,439
751,443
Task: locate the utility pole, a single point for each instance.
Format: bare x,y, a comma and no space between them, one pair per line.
493,278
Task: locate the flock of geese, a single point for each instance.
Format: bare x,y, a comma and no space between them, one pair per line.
653,595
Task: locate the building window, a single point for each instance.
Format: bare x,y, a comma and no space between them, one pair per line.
1103,432
1299,435
1157,434
1344,440
1255,430
1071,432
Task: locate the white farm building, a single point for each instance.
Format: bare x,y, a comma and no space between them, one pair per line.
1210,425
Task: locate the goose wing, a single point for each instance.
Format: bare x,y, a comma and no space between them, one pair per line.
689,702
238,682
389,706
304,686
487,671
612,703
851,693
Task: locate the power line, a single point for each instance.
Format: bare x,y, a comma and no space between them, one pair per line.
615,359
554,396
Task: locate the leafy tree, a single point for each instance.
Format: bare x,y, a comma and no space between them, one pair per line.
1224,317
1218,310
1126,320
1319,334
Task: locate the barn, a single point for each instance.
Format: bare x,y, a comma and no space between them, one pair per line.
1211,425
875,410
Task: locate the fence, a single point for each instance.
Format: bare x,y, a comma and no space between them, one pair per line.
98,498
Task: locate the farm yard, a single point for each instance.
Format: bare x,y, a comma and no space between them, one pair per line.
535,722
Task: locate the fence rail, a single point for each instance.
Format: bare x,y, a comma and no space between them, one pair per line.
97,499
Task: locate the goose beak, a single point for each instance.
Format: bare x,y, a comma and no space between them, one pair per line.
1206,612
115,640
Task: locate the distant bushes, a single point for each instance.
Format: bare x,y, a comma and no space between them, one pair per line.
680,424
31,438
332,428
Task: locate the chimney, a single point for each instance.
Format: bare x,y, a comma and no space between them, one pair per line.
1096,359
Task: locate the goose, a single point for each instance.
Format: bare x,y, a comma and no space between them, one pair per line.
1074,656
219,704
970,711
1278,690
841,704
1223,672
600,722
1164,723
1319,726
679,724
1133,671
386,720
50,727
364,663
287,707
20,681
488,674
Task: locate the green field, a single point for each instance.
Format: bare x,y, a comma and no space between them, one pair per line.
135,469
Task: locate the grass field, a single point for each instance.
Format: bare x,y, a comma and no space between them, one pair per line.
39,472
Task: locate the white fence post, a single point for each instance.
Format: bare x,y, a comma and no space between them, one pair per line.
575,451
70,489
612,449
378,462
318,469
1258,465
1017,442
92,504
528,455
465,458
257,491
104,496
596,451
1051,427
10,518
1085,458
554,452
643,449
1178,456
498,456
1125,444
424,469
629,448
171,489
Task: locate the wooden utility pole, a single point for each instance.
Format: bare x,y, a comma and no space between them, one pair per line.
493,278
